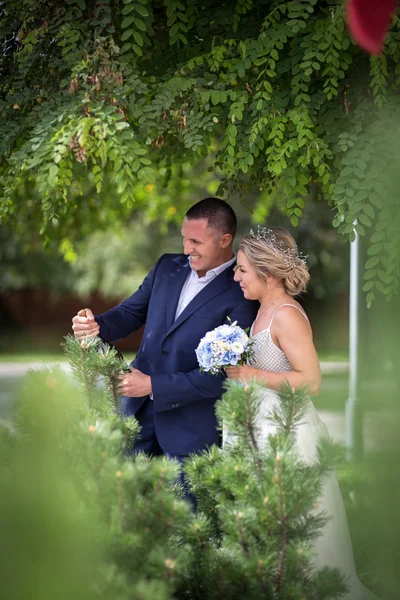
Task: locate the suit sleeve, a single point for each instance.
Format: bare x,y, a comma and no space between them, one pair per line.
174,390
131,314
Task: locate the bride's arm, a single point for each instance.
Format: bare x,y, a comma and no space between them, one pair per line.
292,333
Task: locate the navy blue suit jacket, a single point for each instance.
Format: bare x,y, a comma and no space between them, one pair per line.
184,398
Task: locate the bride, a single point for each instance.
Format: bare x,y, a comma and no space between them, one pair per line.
270,270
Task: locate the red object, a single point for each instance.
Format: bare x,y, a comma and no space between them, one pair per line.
369,21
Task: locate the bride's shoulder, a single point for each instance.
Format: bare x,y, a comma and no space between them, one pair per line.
290,314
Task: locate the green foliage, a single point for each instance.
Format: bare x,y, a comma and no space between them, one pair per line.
366,196
93,357
78,516
71,497
103,95
256,538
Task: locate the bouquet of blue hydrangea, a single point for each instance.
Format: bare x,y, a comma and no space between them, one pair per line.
223,346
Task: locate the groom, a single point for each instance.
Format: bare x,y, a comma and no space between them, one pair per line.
183,297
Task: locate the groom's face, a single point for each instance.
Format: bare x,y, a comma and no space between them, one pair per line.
205,246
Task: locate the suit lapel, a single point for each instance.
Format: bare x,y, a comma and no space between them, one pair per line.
178,278
215,287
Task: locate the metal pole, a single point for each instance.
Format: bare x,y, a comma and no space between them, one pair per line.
353,417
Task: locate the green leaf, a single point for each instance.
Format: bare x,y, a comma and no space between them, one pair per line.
302,190
142,10
367,208
369,274
378,236
268,87
360,229
139,24
364,220
368,286
127,33
126,135
128,8
360,195
302,178
380,286
346,171
385,277
215,98
376,200
372,262
138,38
374,249
52,177
137,49
370,299
140,151
174,30
127,21
361,164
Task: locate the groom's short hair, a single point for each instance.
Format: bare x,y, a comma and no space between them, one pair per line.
218,213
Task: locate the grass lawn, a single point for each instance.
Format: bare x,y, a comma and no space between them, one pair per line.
333,356
32,357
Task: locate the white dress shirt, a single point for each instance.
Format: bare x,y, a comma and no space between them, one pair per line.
194,284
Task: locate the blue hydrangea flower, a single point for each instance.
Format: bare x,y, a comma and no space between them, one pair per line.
223,346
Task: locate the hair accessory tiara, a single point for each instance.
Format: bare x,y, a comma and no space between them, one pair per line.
291,256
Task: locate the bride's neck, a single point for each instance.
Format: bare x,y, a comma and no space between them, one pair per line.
271,296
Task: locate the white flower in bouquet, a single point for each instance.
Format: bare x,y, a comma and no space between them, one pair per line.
223,346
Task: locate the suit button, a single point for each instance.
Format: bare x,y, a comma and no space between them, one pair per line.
165,352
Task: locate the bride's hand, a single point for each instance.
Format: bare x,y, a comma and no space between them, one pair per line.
244,373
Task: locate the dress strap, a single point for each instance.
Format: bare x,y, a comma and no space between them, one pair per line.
293,306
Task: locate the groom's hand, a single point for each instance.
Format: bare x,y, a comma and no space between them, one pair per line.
84,324
135,384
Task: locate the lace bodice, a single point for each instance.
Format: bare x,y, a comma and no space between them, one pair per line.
266,355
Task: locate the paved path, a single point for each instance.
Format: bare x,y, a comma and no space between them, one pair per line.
380,429
14,369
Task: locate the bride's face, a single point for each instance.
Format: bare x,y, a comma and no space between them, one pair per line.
252,286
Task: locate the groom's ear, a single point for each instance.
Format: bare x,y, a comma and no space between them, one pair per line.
226,239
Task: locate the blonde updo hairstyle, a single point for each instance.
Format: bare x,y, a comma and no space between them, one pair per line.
276,254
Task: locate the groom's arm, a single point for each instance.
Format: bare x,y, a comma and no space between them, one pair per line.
131,314
174,390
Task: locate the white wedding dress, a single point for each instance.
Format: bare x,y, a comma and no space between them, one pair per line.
333,547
